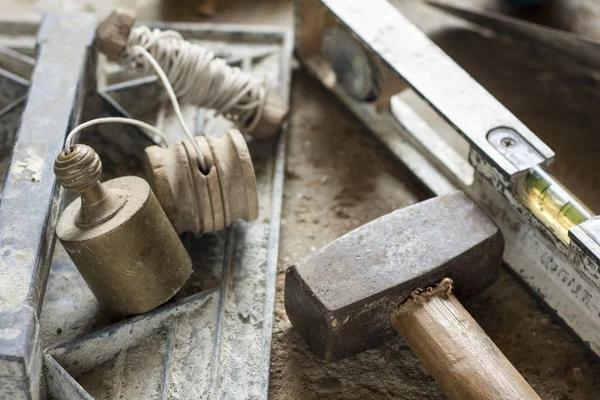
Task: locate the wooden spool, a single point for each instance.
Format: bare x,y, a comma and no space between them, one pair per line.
204,202
112,36
113,33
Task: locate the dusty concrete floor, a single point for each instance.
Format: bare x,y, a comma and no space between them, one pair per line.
338,178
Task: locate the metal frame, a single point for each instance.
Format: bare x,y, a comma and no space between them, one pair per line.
557,256
226,309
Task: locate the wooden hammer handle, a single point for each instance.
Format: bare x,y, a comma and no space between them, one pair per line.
456,351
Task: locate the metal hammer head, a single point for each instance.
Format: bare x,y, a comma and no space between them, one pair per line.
340,298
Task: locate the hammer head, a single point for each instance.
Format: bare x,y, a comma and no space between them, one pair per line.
340,298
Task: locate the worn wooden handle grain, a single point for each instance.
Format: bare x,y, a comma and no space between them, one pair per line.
457,352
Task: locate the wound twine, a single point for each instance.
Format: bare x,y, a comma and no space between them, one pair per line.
165,80
197,76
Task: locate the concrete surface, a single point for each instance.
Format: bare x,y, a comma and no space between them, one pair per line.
338,178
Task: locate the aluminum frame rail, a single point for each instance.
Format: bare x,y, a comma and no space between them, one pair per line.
30,198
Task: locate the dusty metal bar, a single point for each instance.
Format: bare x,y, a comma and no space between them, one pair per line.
30,198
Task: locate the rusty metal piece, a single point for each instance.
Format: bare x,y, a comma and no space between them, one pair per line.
204,202
207,8
119,237
340,298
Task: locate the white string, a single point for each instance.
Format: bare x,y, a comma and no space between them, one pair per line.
197,76
176,108
108,120
163,77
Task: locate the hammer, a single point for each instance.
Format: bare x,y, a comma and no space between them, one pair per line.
400,272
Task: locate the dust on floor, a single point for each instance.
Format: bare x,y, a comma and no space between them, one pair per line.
337,179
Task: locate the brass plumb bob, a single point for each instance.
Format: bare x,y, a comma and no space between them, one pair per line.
119,237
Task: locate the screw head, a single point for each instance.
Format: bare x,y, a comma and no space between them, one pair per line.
508,142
